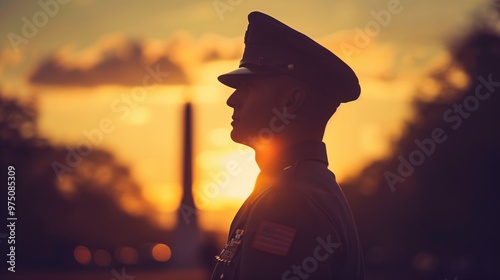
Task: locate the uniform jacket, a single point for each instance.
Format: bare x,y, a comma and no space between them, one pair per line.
295,225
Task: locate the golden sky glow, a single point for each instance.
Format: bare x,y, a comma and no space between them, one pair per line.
196,44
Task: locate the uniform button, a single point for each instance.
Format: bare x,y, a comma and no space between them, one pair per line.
221,276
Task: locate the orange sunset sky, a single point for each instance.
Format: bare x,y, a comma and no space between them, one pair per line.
85,61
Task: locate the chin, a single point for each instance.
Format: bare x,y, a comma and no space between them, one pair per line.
236,137
239,137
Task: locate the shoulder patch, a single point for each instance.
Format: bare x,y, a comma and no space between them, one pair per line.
274,238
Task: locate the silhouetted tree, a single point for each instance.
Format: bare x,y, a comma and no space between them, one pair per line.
433,205
83,206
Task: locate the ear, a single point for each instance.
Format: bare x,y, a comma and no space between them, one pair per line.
295,98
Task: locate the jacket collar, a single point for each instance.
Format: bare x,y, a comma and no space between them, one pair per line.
286,159
307,150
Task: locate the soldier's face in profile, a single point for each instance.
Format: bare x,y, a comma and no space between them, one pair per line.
255,102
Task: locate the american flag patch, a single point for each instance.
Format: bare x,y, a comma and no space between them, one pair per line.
274,238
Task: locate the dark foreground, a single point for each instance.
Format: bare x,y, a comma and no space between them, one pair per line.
171,274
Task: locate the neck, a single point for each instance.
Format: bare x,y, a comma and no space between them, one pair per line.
273,162
267,156
274,155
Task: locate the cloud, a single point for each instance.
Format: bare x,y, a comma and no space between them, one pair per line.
113,60
9,57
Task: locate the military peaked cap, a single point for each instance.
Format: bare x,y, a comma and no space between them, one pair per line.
271,47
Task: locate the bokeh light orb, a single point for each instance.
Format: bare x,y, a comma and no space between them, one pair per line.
161,252
82,254
102,258
127,255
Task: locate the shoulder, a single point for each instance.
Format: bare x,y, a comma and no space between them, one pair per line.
302,219
300,195
285,228
290,209
287,204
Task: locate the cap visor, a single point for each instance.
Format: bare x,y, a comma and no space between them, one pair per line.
233,78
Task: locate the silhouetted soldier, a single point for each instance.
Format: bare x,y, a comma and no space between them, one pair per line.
296,224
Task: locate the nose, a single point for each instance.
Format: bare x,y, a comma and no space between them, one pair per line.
232,99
